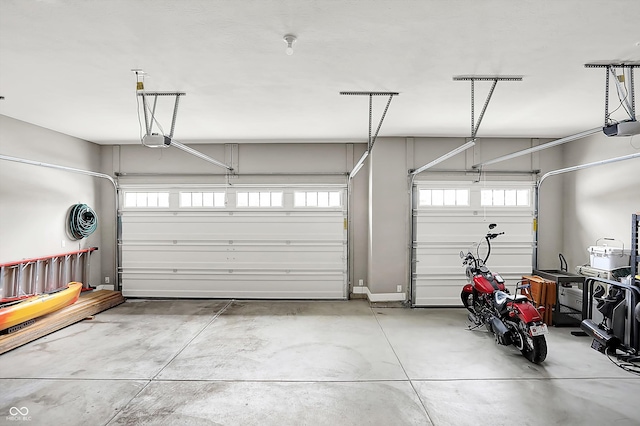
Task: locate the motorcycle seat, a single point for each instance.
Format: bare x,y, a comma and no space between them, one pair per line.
517,297
502,297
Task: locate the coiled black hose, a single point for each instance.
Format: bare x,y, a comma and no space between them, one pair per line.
83,221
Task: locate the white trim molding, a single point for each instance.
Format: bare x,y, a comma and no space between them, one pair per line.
379,297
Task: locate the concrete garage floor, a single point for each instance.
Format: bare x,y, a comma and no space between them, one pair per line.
192,362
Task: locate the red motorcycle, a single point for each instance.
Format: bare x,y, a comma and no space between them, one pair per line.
511,318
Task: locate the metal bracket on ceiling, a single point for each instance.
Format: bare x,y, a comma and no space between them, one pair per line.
373,138
473,78
629,99
149,122
165,141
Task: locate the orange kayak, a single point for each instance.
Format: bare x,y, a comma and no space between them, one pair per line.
37,306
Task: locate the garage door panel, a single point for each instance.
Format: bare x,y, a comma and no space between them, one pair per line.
285,258
174,228
441,232
429,229
258,285
439,291
230,252
240,254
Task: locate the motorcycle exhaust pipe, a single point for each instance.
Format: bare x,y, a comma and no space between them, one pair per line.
500,330
601,339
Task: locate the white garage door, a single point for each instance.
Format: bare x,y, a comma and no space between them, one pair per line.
451,216
275,242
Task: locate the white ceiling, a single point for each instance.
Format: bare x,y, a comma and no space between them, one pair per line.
66,65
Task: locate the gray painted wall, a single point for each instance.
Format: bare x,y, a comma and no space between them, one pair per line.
388,218
599,201
34,201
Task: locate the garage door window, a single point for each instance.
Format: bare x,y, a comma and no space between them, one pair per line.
146,199
316,199
443,197
504,197
202,199
259,199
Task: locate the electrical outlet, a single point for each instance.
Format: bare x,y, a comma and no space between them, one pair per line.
63,243
399,288
106,280
360,282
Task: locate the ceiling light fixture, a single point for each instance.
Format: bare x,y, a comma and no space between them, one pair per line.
290,39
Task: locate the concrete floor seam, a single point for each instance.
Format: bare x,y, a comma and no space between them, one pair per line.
524,379
438,380
424,407
220,312
280,381
169,362
128,403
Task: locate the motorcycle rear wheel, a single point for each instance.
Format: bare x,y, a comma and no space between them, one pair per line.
535,348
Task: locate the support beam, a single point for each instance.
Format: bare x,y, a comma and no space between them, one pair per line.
629,100
371,140
199,154
169,141
444,157
539,147
358,165
149,121
587,165
473,78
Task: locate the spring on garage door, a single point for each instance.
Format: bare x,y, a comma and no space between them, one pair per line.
82,221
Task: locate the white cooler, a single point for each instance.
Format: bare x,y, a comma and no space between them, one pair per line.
608,258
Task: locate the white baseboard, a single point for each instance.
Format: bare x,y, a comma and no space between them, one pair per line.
379,297
105,287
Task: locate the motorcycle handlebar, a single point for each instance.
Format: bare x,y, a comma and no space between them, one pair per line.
470,260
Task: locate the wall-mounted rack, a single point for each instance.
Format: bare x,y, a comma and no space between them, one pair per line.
27,277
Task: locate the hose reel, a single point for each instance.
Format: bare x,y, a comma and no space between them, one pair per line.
82,221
